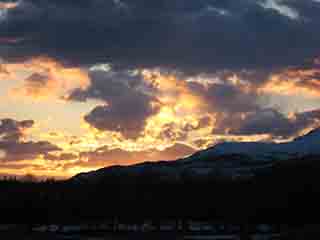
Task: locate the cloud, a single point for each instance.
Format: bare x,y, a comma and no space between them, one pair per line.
8,40
295,81
240,107
174,132
13,145
3,70
147,107
217,104
12,130
8,5
17,151
230,99
191,72
127,102
191,37
5,7
278,125
104,156
183,113
281,8
60,157
46,78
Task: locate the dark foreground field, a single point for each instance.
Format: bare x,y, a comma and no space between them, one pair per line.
306,232
47,236
50,236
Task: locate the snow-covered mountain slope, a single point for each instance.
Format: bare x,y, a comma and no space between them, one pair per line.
308,144
232,160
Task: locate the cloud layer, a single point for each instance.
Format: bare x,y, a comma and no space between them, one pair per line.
151,80
15,148
191,36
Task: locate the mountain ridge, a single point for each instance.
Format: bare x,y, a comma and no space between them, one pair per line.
232,160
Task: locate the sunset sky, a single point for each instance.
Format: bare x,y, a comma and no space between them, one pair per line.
92,83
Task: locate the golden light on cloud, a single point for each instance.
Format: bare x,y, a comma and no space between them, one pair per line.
185,116
172,91
3,71
181,112
45,77
8,5
294,82
242,138
182,117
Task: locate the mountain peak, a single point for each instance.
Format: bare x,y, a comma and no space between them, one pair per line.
307,144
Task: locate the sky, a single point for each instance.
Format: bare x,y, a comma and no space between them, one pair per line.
92,83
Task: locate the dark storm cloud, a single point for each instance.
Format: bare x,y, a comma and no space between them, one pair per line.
227,102
270,121
239,111
193,36
127,98
11,141
227,98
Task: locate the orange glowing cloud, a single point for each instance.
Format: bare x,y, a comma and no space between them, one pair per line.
182,117
105,156
173,91
304,82
8,5
45,77
182,113
187,117
3,71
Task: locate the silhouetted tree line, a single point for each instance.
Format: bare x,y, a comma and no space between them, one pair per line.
288,192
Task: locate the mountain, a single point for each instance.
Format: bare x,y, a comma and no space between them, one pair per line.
244,182
231,160
301,146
